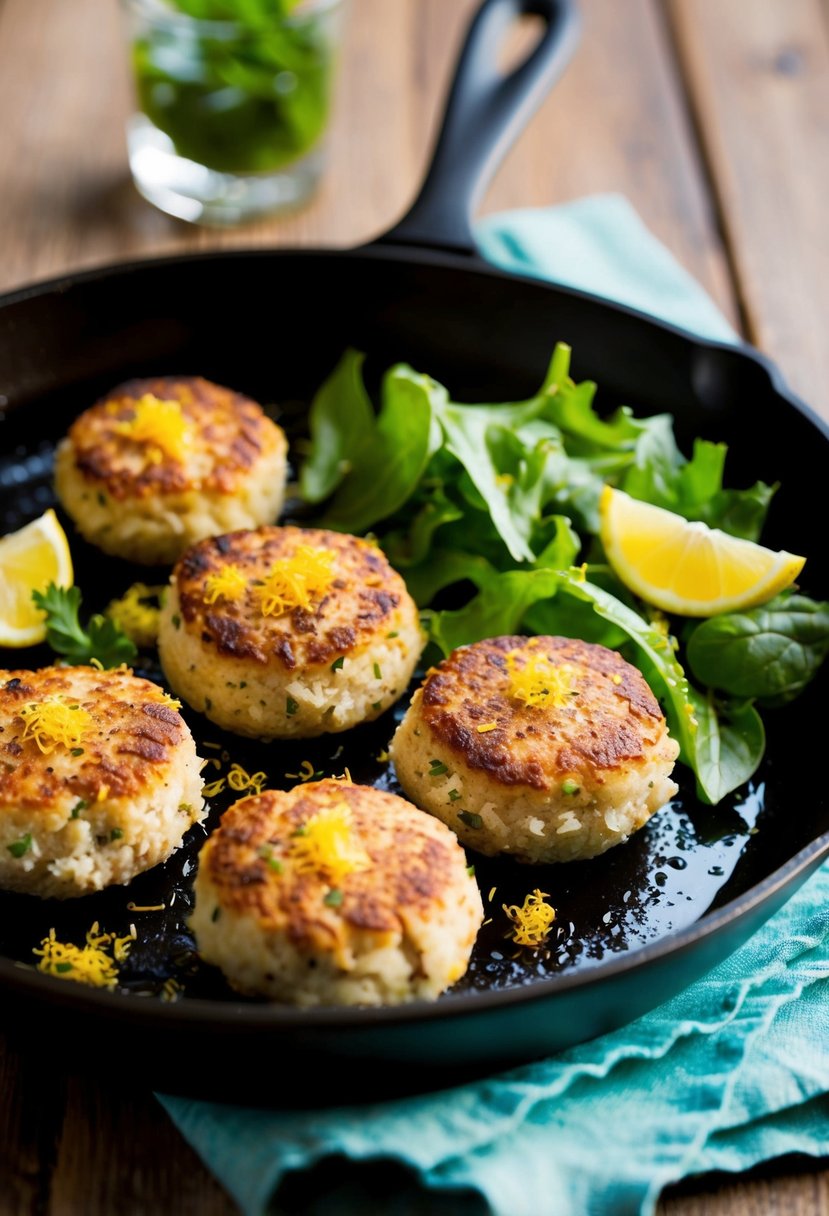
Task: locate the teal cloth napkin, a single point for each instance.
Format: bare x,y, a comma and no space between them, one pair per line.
733,1071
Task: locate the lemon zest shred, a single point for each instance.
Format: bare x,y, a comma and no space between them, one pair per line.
239,779
133,907
486,726
88,964
383,756
344,777
136,614
214,787
294,582
159,426
532,920
538,681
327,847
55,722
229,583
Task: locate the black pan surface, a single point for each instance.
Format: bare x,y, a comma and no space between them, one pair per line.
632,926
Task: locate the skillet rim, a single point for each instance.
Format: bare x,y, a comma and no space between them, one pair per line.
17,976
385,249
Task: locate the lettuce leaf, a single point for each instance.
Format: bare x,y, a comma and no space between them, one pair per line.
488,505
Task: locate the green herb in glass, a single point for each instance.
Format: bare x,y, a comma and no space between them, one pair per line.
245,88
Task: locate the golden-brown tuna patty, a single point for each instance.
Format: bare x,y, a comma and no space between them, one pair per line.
549,772
99,779
393,920
159,463
322,662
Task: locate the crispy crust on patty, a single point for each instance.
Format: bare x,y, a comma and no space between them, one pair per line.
230,434
613,720
415,862
365,593
133,735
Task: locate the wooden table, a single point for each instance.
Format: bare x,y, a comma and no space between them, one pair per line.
712,116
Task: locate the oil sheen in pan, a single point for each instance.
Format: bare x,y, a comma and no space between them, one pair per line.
661,881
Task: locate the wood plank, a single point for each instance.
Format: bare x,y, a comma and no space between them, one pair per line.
615,122
789,1187
758,72
31,1121
120,1153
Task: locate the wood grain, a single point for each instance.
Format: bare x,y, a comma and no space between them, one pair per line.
615,123
758,74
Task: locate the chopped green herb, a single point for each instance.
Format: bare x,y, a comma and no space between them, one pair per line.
79,806
454,795
243,683
76,751
116,834
62,968
185,807
470,819
176,619
376,704
334,898
266,853
393,634
569,787
291,707
470,871
300,831
378,675
338,663
208,704
21,846
437,769
102,499
216,913
101,640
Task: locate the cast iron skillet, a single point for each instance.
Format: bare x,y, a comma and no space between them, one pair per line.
634,926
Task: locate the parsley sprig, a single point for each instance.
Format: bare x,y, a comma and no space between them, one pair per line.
101,639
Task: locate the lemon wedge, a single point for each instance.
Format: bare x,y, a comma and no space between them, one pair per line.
30,559
686,567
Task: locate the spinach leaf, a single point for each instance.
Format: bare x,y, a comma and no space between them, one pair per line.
729,744
661,475
498,609
569,407
445,568
432,508
507,475
392,453
339,419
770,652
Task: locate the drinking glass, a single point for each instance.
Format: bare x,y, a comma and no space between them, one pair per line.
233,103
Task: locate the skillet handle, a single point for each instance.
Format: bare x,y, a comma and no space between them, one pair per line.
485,112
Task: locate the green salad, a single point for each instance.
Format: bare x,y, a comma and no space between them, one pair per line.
495,508
247,97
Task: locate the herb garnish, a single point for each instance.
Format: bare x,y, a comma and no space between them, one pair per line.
102,640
